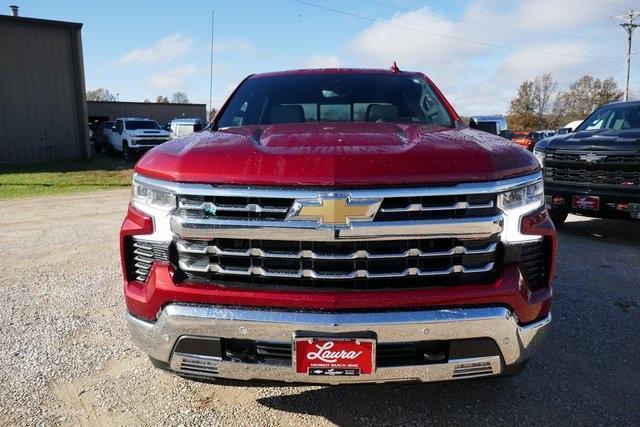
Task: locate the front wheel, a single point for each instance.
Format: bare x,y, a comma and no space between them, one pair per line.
558,216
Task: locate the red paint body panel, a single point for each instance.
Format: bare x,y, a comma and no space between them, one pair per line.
146,300
337,154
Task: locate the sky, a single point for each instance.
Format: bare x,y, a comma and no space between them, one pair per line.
476,51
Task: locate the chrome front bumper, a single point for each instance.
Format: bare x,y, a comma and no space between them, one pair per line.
516,343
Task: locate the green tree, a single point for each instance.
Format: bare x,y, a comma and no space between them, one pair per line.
522,112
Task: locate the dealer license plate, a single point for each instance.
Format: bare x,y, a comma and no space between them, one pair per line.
590,203
334,356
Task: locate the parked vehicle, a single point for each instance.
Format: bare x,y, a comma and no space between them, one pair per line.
182,127
338,226
102,135
596,170
492,124
524,139
569,127
133,135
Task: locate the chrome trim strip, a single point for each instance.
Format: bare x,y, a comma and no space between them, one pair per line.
516,343
200,266
375,193
462,228
202,248
212,207
418,207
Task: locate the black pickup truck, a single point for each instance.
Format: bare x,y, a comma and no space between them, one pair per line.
595,171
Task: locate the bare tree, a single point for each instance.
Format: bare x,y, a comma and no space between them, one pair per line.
100,94
162,99
545,90
180,98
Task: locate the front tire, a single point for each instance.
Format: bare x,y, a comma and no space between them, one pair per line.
558,216
126,152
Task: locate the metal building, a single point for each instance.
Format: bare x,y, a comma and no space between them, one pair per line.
99,111
43,112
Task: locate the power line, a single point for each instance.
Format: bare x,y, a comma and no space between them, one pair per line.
568,9
602,6
460,39
494,26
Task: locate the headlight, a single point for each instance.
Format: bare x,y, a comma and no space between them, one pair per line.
531,197
539,155
516,203
152,200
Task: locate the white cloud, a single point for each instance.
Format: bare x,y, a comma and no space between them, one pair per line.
322,61
174,78
234,45
166,49
479,78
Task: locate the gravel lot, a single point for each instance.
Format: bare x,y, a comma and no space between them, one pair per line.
67,357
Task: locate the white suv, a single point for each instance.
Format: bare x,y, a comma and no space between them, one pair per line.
133,135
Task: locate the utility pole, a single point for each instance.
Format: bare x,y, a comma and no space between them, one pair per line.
211,69
629,26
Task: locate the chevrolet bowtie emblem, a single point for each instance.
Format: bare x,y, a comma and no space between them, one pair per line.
334,209
592,157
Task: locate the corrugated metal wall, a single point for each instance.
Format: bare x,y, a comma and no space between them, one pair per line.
162,113
42,110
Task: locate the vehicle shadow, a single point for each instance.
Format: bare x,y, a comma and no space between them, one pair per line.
606,230
464,402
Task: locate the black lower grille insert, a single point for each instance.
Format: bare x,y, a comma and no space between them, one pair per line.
140,256
533,260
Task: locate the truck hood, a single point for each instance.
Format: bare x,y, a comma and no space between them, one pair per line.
594,140
337,154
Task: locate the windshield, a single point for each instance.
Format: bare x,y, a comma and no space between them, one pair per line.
615,117
141,124
334,98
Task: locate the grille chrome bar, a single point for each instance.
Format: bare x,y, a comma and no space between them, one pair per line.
203,248
199,266
213,207
463,228
285,193
418,207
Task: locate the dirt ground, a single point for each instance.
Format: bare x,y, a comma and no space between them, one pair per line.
67,357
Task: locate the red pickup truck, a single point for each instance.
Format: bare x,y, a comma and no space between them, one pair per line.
338,226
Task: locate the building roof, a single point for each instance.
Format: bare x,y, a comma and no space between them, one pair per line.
25,20
143,103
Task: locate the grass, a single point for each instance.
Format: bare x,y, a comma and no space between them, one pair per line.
41,179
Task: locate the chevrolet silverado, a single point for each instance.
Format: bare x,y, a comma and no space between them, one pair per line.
338,226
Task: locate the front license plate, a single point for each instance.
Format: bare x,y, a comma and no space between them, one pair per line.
590,203
334,356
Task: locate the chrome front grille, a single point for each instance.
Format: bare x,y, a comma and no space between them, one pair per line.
337,238
392,208
242,208
354,265
434,207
